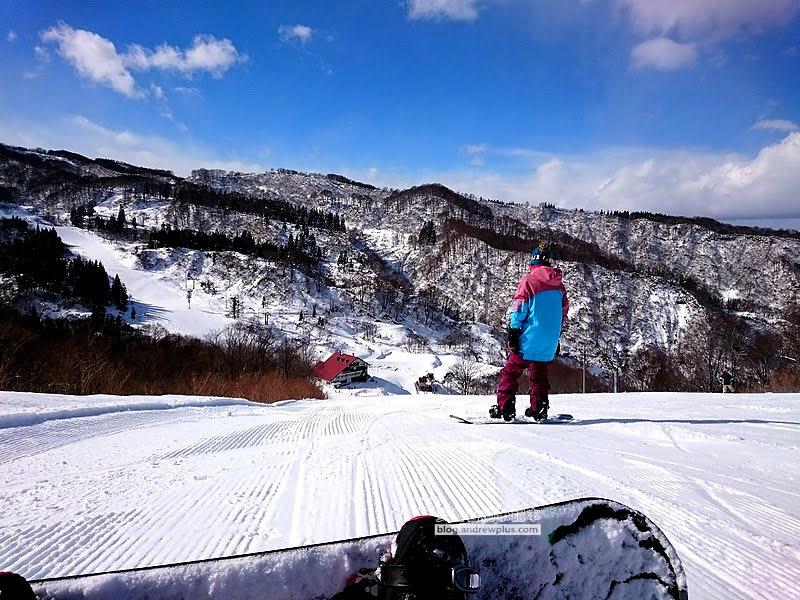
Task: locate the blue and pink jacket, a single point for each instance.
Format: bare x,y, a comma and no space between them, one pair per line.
539,310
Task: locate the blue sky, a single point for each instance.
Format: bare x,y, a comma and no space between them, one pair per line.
679,106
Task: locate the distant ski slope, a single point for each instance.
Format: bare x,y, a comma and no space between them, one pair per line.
156,300
101,482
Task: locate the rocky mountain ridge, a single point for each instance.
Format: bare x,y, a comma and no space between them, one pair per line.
636,282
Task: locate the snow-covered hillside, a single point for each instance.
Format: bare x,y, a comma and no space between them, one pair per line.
698,290
99,483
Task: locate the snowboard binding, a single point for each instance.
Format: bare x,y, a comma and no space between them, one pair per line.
508,412
540,412
427,565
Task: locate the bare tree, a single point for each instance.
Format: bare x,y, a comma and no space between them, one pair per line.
712,345
613,356
246,346
464,374
370,330
761,360
416,343
233,341
13,340
264,340
652,369
294,359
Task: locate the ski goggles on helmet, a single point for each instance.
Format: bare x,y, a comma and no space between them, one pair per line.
461,577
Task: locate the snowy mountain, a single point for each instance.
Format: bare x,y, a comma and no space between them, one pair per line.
416,282
647,292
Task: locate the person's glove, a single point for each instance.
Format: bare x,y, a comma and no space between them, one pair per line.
513,339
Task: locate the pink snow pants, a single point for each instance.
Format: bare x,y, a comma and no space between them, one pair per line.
509,380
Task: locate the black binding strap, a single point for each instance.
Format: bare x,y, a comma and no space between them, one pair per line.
461,577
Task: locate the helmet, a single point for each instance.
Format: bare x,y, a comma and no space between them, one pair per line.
542,254
427,565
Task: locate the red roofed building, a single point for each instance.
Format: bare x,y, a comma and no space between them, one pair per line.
341,369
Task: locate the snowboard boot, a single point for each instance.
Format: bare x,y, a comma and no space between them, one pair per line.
538,409
426,565
509,410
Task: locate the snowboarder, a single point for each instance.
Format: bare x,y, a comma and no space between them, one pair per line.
536,318
425,565
726,379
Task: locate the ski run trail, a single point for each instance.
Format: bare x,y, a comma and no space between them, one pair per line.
101,483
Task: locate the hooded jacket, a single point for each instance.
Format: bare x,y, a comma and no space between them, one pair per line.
539,311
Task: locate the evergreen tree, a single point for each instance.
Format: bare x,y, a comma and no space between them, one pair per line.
427,235
89,282
118,224
119,294
75,217
98,319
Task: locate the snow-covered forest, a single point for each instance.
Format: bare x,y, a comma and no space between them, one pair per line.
657,302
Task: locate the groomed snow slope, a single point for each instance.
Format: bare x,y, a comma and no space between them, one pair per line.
586,549
156,299
100,483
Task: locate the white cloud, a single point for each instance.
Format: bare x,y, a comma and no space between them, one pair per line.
776,125
11,36
680,182
123,139
158,92
187,91
207,53
97,59
94,57
42,55
698,23
210,54
663,54
80,134
476,153
92,139
716,19
455,10
300,33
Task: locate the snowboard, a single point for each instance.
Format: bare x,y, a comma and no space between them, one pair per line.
580,549
518,420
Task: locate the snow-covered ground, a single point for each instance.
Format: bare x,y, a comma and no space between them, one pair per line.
156,302
98,483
